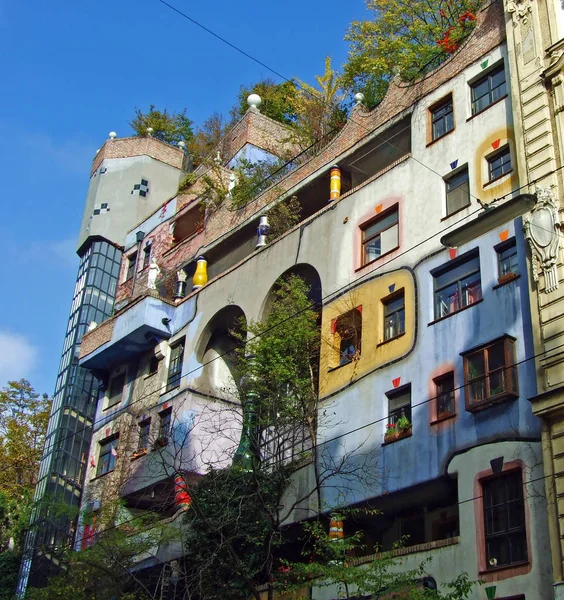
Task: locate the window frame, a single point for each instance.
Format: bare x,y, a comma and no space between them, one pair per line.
364,226
439,381
452,265
143,442
165,424
499,67
500,153
114,400
174,375
433,119
509,532
340,336
147,254
386,302
508,245
510,377
131,265
448,179
393,415
109,443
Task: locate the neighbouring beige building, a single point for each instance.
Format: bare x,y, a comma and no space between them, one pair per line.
535,41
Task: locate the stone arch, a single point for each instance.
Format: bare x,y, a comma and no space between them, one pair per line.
216,352
309,274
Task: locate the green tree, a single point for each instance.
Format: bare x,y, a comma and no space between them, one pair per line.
23,422
207,138
278,100
408,37
167,127
320,110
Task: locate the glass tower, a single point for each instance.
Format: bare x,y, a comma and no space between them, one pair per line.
69,431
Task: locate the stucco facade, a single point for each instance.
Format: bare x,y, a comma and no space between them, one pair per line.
422,316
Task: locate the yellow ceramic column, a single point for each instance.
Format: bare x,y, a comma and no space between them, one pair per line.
201,275
335,183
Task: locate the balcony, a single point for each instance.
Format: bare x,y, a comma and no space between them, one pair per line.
140,326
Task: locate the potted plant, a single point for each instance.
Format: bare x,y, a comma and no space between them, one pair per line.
138,453
391,432
403,426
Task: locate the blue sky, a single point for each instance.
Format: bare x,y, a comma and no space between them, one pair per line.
72,72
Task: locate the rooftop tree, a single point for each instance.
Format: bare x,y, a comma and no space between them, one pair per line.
407,37
167,127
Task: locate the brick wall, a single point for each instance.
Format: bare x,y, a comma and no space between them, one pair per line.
139,146
94,339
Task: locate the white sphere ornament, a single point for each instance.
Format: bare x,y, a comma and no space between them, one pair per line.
359,98
182,144
254,101
113,135
150,131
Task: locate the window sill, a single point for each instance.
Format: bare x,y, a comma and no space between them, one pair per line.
443,419
376,259
101,475
515,565
439,138
350,362
498,399
506,282
392,339
486,107
496,179
111,406
455,312
396,439
456,212
139,454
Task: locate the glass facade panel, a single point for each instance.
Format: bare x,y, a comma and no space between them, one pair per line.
69,430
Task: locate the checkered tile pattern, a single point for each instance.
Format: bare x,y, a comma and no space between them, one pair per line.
101,209
141,188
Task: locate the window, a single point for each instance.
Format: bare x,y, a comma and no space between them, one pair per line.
107,456
394,315
147,255
444,388
115,393
490,374
380,236
348,334
165,420
507,258
504,520
499,164
399,404
457,285
442,119
488,89
153,366
175,369
188,223
144,432
131,263
457,191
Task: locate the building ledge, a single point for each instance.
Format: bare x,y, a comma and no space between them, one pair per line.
138,327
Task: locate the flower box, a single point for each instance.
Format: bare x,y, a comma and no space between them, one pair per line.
502,279
139,453
445,414
404,432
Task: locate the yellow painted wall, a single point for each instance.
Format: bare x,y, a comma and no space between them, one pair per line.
484,190
374,353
